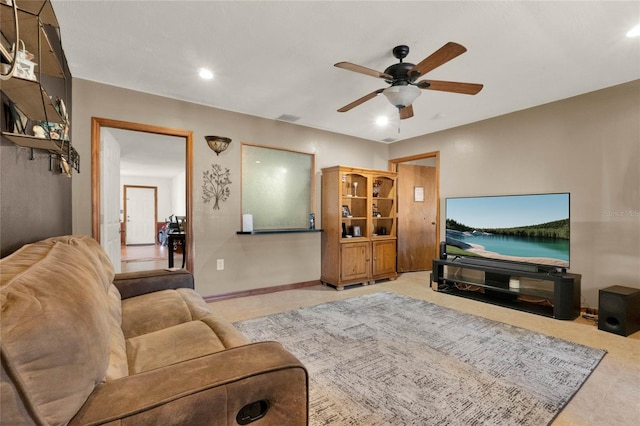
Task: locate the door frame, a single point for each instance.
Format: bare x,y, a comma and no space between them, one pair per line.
393,166
97,124
155,209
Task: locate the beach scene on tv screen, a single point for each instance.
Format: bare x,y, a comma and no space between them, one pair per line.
521,228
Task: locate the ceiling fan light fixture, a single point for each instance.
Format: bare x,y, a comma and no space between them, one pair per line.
217,143
401,96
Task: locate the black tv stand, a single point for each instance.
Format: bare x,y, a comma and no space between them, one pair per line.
550,293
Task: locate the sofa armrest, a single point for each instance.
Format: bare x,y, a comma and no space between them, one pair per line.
206,391
133,284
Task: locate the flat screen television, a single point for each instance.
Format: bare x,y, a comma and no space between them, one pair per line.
531,229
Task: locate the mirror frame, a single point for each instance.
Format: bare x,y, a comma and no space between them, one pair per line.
97,124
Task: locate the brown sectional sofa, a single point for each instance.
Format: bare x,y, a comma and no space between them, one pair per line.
82,345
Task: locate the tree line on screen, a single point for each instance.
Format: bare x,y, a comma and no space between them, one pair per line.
557,229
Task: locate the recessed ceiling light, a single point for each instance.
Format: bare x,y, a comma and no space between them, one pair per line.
205,74
382,120
634,32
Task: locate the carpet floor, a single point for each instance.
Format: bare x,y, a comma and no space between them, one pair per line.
388,359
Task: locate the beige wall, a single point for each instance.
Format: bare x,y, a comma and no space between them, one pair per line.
588,145
250,261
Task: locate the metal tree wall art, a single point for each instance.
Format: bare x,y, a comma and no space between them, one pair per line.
215,185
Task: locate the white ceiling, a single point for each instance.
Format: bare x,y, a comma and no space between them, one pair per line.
148,154
274,57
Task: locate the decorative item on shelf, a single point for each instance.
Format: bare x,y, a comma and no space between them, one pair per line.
376,213
64,166
53,131
514,283
62,110
25,67
74,159
376,187
312,221
217,143
17,121
355,189
345,211
356,231
39,132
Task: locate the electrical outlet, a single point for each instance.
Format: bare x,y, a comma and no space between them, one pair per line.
220,264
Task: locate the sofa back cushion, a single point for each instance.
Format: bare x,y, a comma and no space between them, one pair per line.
56,331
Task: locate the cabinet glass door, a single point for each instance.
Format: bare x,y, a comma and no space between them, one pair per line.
354,195
383,206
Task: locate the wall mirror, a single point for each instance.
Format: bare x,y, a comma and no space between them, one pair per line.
141,177
278,187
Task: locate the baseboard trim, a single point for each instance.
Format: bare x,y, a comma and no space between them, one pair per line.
257,291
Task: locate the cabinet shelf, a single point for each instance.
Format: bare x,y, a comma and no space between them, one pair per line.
28,141
33,34
42,8
499,287
31,99
353,239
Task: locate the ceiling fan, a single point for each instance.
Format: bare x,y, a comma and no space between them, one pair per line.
402,77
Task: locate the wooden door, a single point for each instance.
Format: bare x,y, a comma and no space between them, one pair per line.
417,217
354,261
141,214
384,259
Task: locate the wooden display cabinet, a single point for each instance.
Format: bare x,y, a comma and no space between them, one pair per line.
359,222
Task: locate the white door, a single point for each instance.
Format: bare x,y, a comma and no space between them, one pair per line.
140,209
110,198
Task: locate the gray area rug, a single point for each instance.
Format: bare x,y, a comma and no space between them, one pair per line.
387,359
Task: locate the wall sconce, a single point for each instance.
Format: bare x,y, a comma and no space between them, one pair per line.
218,143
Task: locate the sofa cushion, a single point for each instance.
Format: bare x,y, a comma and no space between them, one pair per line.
161,309
171,345
118,365
55,327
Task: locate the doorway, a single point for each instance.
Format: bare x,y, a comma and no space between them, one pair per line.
417,210
184,137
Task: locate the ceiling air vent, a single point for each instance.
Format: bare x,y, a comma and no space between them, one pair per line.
288,117
388,140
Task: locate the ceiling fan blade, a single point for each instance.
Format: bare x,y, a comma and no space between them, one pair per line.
437,58
363,70
360,101
406,112
451,86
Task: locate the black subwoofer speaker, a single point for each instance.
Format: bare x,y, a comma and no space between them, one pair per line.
619,310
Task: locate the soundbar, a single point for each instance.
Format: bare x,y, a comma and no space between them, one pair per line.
491,263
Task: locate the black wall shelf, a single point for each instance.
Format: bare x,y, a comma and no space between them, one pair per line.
278,231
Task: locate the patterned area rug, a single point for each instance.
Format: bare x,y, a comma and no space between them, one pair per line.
387,359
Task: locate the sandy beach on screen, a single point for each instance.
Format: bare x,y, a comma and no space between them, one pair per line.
480,251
